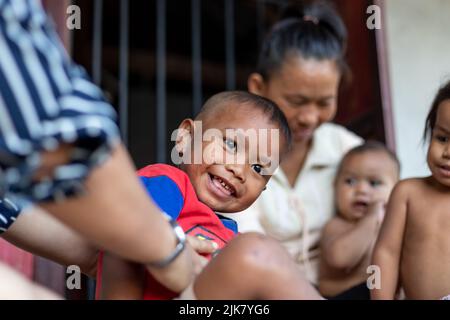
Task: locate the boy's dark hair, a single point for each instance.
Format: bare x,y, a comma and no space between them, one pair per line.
267,106
312,31
368,146
430,122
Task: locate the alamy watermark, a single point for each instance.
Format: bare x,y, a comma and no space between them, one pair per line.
228,146
374,280
73,20
374,20
73,280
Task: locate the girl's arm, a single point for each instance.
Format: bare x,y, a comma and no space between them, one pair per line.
388,247
343,247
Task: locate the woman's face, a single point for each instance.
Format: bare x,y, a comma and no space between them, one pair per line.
305,90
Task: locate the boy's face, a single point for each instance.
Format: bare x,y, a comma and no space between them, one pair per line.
231,175
364,178
438,157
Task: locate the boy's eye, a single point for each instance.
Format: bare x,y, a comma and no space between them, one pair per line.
375,183
350,181
257,168
230,144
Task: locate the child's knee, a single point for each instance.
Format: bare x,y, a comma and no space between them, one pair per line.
257,252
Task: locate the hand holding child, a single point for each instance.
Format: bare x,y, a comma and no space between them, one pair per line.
198,247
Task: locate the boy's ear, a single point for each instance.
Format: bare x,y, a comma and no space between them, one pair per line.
184,135
256,84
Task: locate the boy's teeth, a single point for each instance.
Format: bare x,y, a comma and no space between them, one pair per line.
223,184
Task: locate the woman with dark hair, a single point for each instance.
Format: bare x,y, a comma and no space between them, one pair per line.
300,67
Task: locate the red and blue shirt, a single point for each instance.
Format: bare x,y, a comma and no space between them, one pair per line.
173,192
171,189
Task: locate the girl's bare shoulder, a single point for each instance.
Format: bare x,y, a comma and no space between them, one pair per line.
413,184
408,188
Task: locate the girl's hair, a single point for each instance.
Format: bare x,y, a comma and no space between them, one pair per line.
311,31
443,94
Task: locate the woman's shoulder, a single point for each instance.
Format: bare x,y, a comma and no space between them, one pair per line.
337,131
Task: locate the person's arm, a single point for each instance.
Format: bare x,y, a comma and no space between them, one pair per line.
41,234
124,280
117,215
70,114
388,247
344,248
121,279
14,286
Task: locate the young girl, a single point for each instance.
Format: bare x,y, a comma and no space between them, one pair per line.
413,249
300,66
364,182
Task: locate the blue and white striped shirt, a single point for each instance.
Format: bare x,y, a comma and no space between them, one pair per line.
8,214
45,100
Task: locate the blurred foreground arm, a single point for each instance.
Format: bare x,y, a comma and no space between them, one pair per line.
39,233
116,214
15,286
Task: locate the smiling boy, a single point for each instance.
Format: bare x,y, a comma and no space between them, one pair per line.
229,177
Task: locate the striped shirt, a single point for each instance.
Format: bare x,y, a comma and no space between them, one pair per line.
45,100
8,214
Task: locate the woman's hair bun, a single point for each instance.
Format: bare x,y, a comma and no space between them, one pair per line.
321,13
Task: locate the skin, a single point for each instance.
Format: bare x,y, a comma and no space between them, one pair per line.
246,181
412,250
260,257
306,91
364,178
16,287
36,231
363,186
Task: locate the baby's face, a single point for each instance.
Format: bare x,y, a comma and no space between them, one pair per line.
232,175
364,178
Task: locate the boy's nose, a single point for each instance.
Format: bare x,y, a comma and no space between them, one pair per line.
237,170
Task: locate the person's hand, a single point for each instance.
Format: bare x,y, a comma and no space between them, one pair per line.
190,259
198,247
178,274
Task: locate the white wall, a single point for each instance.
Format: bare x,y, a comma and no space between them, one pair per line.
418,41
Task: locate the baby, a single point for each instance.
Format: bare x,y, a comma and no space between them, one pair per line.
364,181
